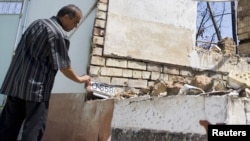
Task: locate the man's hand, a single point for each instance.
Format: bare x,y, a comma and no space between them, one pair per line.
85,79
70,73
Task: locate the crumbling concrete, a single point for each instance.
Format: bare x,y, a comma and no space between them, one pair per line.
71,118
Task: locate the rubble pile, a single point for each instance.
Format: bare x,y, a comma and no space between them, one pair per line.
237,84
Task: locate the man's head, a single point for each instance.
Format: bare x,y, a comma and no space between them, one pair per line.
69,16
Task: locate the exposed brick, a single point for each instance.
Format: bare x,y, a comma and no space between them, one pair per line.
155,75
242,2
98,32
137,74
102,6
137,65
100,23
106,71
186,71
146,74
246,29
151,83
119,81
243,36
246,20
244,49
171,77
171,70
137,83
97,60
164,77
117,63
101,15
94,70
239,8
127,73
154,67
240,30
97,51
106,80
98,40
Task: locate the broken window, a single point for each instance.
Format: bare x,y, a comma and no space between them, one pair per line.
215,21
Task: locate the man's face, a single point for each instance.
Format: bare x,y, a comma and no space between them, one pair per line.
70,23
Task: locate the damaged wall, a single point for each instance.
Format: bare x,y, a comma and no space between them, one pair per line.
175,118
173,113
148,116
120,60
150,30
127,51
71,118
125,70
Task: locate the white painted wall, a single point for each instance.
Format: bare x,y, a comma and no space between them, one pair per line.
180,113
159,30
8,28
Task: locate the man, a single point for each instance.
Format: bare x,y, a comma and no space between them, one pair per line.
41,52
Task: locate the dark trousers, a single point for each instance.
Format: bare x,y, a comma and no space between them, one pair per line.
32,115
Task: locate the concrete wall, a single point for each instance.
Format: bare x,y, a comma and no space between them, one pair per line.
173,113
71,118
125,30
126,49
151,30
175,118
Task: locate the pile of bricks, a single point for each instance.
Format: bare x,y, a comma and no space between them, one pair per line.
227,46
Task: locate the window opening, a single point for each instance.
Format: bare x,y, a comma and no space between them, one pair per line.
214,20
10,7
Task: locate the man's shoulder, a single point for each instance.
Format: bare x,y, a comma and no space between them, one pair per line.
38,22
53,26
45,23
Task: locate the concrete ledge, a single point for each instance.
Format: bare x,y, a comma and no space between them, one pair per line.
72,118
180,113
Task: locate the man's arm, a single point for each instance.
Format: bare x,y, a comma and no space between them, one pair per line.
70,73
